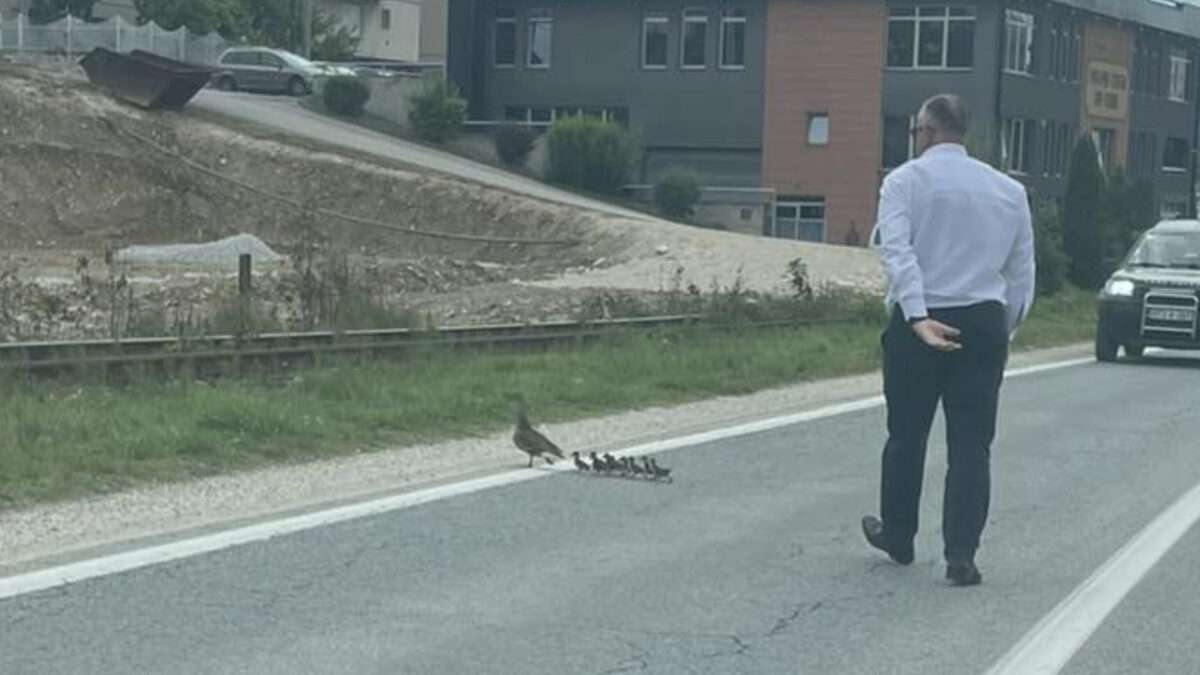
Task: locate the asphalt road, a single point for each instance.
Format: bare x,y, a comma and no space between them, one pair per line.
750,562
284,115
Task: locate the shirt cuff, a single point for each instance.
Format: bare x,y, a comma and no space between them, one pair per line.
914,307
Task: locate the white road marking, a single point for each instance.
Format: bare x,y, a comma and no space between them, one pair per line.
1049,646
39,580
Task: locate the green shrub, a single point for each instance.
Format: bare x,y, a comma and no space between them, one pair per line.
346,95
437,110
589,153
513,143
1051,260
677,193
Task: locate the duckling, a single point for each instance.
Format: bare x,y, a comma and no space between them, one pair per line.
659,471
530,440
634,468
597,463
579,463
611,463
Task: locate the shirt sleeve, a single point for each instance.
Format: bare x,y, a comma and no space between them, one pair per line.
1019,271
894,242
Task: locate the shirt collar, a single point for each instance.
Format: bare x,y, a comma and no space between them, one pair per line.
946,149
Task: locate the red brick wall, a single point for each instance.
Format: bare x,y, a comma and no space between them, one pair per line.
826,56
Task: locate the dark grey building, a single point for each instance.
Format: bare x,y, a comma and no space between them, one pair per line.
687,75
773,110
1039,73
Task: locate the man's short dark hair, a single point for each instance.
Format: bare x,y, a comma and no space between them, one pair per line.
948,114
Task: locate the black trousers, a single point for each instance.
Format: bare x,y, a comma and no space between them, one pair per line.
967,383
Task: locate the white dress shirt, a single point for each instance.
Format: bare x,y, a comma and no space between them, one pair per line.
953,232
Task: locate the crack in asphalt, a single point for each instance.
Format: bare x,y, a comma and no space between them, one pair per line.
639,659
784,624
741,648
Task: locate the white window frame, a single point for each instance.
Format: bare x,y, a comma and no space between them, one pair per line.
655,20
691,16
1018,42
945,19
812,119
497,21
1181,67
799,204
536,18
1014,158
728,20
1096,140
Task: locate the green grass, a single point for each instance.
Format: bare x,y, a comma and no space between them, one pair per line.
61,441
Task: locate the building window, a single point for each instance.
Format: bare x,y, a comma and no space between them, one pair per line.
733,39
799,218
818,128
385,19
1180,67
654,42
1175,154
1142,151
1062,62
1173,207
1151,155
1075,44
898,140
541,39
931,36
544,115
1015,151
1140,62
695,39
1049,147
1018,42
1153,84
1105,140
504,39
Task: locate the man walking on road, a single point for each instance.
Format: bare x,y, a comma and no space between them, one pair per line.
956,240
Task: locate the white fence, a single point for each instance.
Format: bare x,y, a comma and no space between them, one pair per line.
73,36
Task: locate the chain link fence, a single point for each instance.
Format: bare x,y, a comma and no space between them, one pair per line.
73,36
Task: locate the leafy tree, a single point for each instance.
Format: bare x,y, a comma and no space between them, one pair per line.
226,17
47,11
1083,231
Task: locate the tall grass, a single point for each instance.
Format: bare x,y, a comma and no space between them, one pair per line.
59,441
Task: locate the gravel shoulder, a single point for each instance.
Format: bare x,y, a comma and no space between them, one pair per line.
42,534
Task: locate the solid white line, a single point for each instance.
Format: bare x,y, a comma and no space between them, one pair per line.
52,577
1049,646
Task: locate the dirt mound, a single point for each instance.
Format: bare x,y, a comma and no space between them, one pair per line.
82,176
80,170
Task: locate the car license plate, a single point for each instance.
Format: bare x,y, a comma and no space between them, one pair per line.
1163,314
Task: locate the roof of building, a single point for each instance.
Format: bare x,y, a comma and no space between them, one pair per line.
1181,17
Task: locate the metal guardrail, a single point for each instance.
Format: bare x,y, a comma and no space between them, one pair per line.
221,353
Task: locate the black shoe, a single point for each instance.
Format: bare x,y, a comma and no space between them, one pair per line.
963,573
873,530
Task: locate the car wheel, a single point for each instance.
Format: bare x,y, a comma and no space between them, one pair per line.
226,84
297,87
1135,351
1106,347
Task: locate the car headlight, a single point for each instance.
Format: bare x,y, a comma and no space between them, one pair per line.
1119,288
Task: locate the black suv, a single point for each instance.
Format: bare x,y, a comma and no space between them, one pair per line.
1151,301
